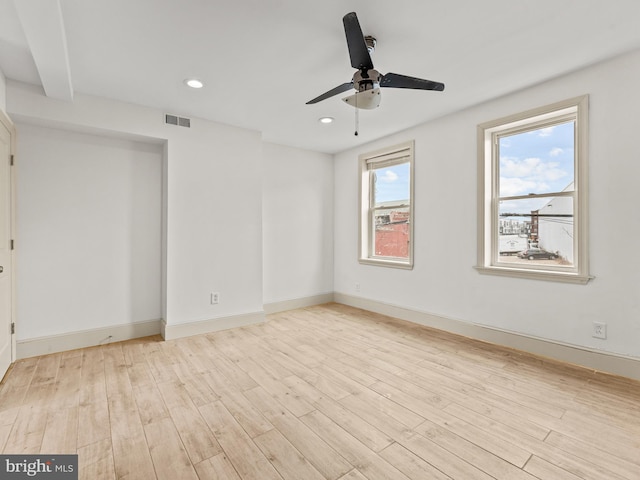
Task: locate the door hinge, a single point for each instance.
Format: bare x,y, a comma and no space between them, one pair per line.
11,160
12,245
13,328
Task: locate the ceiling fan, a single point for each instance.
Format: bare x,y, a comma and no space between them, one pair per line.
366,80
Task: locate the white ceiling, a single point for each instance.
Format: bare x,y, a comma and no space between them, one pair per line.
261,60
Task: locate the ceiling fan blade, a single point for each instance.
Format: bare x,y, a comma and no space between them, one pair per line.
396,80
334,91
358,51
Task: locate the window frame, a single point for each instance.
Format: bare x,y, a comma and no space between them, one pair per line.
389,156
488,261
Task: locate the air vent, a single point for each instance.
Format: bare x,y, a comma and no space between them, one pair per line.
175,120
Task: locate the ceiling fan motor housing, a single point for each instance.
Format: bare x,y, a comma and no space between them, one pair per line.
366,80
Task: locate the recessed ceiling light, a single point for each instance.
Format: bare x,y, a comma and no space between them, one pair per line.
194,83
326,120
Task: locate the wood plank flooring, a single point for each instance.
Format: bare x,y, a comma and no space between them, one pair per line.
326,392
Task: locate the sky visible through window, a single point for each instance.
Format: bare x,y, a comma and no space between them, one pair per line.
536,162
392,184
539,161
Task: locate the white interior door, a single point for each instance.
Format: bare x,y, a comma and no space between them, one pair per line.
6,336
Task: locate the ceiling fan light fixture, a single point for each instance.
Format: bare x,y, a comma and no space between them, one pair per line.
194,83
367,99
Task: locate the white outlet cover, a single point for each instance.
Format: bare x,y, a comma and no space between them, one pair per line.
599,330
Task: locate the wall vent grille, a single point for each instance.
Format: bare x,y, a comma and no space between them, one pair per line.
175,120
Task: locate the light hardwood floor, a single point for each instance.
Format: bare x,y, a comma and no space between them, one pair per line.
327,392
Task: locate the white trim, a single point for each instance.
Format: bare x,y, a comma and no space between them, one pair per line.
393,155
597,360
488,261
171,332
86,338
549,275
7,122
294,303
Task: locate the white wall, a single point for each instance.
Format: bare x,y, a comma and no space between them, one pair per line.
444,282
213,183
3,92
297,223
89,230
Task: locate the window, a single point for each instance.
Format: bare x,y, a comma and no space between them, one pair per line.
386,207
532,191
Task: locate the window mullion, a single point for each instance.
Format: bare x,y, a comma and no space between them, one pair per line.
568,193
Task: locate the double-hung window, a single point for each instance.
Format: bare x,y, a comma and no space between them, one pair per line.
533,194
386,207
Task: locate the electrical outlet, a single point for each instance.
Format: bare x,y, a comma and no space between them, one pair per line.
599,330
215,298
357,287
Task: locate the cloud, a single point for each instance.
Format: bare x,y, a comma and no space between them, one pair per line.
514,167
511,187
545,132
389,177
556,151
533,169
529,175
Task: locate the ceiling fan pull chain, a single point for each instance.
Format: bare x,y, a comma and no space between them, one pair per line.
357,117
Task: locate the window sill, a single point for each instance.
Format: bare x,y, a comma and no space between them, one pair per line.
535,274
386,263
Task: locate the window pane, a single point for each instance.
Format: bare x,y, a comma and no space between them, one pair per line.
391,185
537,161
391,233
541,226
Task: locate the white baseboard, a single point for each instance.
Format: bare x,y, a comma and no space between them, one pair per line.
85,338
171,332
292,304
597,360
